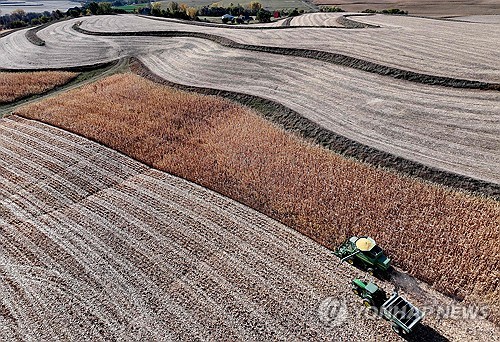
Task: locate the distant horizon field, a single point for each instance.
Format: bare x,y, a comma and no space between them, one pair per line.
267,4
430,8
64,5
438,8
130,8
48,5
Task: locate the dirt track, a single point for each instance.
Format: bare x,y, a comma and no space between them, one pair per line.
179,262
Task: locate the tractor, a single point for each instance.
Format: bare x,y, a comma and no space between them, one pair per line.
372,295
403,315
364,252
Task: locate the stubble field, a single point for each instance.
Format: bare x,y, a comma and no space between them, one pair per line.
428,8
104,247
440,127
381,85
238,154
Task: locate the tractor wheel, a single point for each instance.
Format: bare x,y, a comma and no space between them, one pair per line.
397,329
350,261
367,303
355,290
370,271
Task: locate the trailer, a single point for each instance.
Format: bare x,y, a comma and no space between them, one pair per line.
403,315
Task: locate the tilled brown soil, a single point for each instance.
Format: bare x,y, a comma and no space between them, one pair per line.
96,246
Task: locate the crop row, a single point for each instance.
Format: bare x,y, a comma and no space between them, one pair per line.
433,47
139,254
322,195
448,129
334,58
14,86
423,46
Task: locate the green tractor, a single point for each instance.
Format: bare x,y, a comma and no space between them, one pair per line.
403,315
364,252
372,295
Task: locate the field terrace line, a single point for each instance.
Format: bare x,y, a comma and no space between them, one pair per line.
343,118
324,56
415,44
293,121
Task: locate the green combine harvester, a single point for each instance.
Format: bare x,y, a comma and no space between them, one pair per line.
403,315
364,252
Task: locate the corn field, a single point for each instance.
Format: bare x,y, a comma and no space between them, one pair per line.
16,85
105,248
446,238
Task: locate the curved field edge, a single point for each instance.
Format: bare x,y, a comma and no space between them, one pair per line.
125,252
320,194
308,129
79,68
86,74
6,33
349,23
329,57
31,34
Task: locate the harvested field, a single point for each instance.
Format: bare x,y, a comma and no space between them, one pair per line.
452,130
428,8
14,86
316,19
180,262
213,142
42,5
448,129
483,19
4,32
434,47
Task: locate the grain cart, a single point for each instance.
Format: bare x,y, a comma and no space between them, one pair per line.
364,252
403,315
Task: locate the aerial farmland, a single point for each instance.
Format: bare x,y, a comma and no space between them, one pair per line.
170,177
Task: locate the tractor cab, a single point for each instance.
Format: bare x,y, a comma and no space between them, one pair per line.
373,295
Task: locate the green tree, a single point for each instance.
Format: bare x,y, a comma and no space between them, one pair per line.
255,6
173,7
18,23
18,14
263,16
156,8
93,7
104,8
